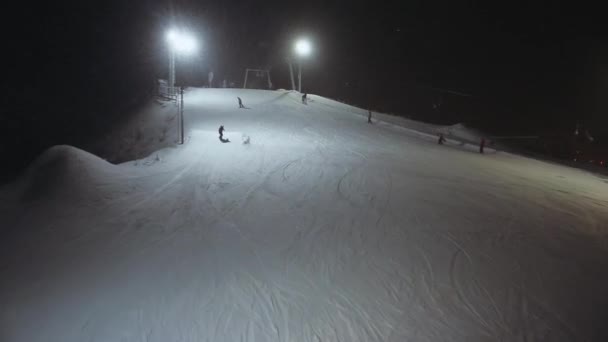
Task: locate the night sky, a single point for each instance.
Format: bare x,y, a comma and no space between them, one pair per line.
76,68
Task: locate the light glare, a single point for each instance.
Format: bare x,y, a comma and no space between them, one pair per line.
181,42
303,47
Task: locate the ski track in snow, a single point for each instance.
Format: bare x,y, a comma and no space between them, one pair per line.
323,228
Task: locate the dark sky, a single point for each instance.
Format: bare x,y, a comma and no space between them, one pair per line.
536,61
519,56
76,66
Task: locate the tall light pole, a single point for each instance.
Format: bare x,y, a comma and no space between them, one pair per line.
302,49
171,72
183,44
180,43
293,83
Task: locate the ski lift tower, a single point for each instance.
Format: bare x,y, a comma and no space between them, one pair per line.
260,75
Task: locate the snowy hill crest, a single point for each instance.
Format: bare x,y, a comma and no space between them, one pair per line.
64,172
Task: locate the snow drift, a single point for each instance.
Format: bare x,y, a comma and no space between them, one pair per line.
65,173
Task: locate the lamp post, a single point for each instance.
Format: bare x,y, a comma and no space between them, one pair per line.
183,44
302,49
293,83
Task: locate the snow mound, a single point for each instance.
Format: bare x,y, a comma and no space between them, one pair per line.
150,128
462,132
65,172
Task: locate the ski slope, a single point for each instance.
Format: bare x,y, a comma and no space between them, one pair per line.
322,228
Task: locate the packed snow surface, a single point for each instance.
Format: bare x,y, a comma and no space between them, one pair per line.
321,227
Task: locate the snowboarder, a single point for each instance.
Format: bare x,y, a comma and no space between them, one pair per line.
304,99
240,103
441,139
222,139
369,116
482,144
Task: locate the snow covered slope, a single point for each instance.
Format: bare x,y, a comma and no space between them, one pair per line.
151,127
322,228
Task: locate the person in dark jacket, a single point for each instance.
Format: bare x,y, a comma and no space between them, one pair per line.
441,139
222,139
369,116
304,99
240,103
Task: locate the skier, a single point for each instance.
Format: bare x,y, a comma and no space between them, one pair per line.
369,116
441,139
482,144
240,103
304,99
